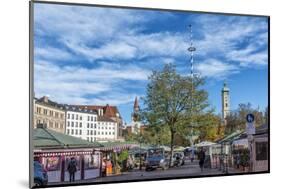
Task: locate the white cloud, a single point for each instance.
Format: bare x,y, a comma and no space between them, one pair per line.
216,69
72,84
51,53
224,37
115,36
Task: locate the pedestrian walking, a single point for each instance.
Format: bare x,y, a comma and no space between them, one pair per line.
201,157
72,168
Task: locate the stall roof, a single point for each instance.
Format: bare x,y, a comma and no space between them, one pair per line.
231,137
46,138
107,146
204,143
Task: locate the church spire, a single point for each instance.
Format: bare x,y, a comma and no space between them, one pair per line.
136,105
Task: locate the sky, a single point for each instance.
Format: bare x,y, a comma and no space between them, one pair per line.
98,56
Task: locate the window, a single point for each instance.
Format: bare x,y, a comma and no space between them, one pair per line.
95,132
113,133
88,132
88,118
87,138
45,111
80,132
98,132
80,124
225,104
61,116
51,113
92,132
102,133
261,151
105,127
72,116
68,131
91,118
57,114
76,131
76,116
56,125
38,110
68,116
72,131
91,125
91,139
95,126
68,123
80,117
109,133
76,124
88,125
95,118
72,124
105,133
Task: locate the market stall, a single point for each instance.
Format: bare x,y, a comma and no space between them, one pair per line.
54,151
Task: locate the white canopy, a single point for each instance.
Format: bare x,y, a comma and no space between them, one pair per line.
204,143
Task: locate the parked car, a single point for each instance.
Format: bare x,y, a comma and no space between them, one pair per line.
156,159
40,175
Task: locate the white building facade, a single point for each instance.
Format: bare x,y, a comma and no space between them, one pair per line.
106,129
87,125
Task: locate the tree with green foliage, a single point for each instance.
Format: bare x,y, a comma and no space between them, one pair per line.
236,120
173,101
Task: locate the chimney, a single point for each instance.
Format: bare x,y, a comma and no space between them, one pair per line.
45,99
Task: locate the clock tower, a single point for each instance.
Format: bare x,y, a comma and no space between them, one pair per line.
225,102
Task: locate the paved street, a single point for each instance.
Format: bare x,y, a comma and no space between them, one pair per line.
189,169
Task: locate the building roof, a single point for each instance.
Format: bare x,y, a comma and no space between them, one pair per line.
78,109
225,88
46,101
45,139
105,119
136,103
109,111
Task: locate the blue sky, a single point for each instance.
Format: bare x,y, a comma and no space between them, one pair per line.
95,55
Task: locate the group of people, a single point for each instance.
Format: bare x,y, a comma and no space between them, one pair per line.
107,165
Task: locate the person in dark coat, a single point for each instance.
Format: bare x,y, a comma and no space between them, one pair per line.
201,157
72,169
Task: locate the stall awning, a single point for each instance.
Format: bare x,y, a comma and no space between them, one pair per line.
117,146
44,138
204,143
231,137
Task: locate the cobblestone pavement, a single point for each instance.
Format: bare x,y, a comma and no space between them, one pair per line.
187,170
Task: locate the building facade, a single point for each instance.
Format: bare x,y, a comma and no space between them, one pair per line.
50,114
88,125
225,94
107,129
110,113
81,123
